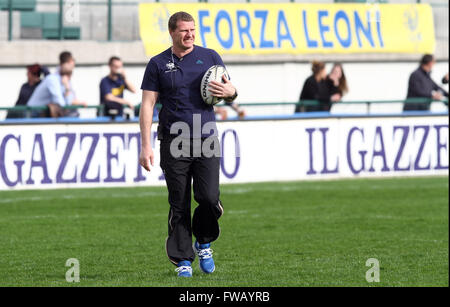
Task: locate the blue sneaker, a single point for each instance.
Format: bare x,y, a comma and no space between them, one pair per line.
204,253
184,269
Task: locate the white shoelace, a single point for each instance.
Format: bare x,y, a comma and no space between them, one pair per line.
205,253
183,269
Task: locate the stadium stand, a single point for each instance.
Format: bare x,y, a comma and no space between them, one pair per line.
102,31
45,25
18,5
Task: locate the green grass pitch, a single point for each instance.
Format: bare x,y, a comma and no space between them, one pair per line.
310,233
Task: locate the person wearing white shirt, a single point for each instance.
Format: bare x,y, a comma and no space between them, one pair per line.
56,88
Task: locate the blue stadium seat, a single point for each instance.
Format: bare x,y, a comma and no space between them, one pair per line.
38,25
19,5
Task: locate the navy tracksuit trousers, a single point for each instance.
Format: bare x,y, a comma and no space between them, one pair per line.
203,174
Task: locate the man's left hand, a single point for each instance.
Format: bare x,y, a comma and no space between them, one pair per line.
222,90
77,102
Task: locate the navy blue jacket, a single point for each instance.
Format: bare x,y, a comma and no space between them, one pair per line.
421,85
177,80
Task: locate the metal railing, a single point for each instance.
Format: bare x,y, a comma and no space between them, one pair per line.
27,110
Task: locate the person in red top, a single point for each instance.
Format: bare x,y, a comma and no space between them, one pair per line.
34,73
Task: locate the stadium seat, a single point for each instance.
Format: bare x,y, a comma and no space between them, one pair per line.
31,25
30,20
50,28
50,21
68,33
19,5
38,25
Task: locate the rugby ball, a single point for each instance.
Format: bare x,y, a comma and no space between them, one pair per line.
214,73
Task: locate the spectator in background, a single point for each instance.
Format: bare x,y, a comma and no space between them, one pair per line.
34,73
336,83
316,88
222,112
421,85
112,87
56,91
445,79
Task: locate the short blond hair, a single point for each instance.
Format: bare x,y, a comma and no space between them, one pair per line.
173,20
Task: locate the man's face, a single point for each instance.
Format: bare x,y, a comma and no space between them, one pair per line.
32,79
184,35
116,67
323,74
68,67
429,66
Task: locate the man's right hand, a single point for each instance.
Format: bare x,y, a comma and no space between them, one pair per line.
336,97
65,80
146,158
436,95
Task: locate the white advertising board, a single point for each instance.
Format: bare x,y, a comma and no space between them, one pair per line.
93,155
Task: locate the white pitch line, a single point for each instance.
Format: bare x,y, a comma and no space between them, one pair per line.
97,196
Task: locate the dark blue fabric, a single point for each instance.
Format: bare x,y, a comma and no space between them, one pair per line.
115,87
420,85
179,87
24,95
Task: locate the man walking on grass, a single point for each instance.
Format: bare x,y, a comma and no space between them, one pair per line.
173,78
